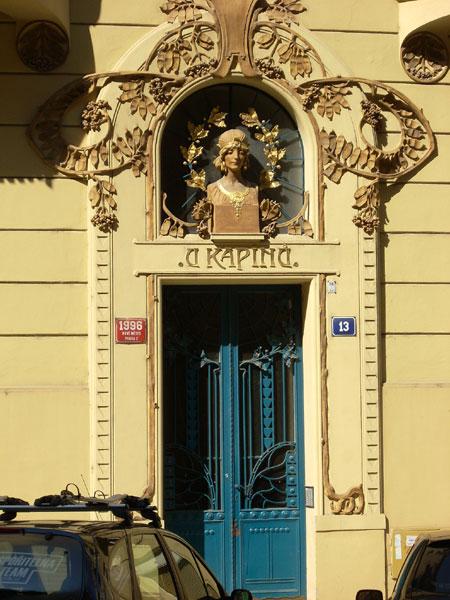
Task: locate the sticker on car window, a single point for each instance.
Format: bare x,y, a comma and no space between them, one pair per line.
19,567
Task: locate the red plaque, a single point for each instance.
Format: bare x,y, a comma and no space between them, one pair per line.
131,331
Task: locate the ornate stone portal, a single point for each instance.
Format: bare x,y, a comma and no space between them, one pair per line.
207,41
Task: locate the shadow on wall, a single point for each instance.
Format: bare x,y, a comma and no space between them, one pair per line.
23,106
83,13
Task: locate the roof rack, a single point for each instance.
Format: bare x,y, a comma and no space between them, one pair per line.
121,505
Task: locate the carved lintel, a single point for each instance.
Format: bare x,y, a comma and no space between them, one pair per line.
234,18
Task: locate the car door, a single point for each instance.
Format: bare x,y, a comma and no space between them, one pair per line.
152,571
114,572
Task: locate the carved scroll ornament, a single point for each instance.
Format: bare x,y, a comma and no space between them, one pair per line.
352,501
200,45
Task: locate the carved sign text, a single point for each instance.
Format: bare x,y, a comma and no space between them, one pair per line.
238,258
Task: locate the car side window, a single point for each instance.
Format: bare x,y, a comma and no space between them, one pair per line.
433,572
115,566
152,571
211,584
191,580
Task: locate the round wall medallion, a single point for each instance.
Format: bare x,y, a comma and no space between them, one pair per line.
424,57
42,45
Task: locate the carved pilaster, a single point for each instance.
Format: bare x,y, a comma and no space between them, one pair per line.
352,501
102,384
370,370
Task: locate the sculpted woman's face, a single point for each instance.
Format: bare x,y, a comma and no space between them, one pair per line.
234,159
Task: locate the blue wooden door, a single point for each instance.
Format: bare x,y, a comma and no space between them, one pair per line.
233,444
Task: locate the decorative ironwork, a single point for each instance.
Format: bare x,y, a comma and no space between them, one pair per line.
273,481
263,358
189,484
425,57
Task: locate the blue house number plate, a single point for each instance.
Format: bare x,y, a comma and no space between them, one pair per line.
343,326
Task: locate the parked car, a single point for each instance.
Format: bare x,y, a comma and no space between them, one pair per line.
425,574
98,560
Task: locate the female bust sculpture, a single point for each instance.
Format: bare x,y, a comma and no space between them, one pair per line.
235,203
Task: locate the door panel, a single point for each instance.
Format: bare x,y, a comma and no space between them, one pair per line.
233,471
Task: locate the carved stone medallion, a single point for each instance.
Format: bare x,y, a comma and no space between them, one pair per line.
42,46
425,57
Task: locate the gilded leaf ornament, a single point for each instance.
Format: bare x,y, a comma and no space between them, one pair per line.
270,210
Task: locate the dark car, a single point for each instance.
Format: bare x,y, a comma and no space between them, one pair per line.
99,560
425,574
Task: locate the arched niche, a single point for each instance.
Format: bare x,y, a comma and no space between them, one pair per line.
183,154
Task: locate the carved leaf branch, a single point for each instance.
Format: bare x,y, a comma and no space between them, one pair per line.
181,10
144,93
367,203
283,47
325,100
283,11
191,49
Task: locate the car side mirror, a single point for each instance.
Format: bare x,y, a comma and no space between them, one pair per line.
369,595
241,595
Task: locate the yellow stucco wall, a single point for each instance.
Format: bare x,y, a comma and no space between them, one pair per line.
56,368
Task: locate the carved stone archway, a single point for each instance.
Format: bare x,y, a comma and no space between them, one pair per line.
209,40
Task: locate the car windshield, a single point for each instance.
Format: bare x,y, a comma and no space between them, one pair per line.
432,577
38,565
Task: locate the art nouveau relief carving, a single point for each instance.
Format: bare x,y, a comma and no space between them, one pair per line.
42,45
208,40
425,57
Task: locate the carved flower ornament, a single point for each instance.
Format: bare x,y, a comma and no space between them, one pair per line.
190,51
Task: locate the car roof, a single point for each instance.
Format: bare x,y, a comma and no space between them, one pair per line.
71,526
434,534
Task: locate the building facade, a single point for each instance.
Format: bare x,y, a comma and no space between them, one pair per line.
269,362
